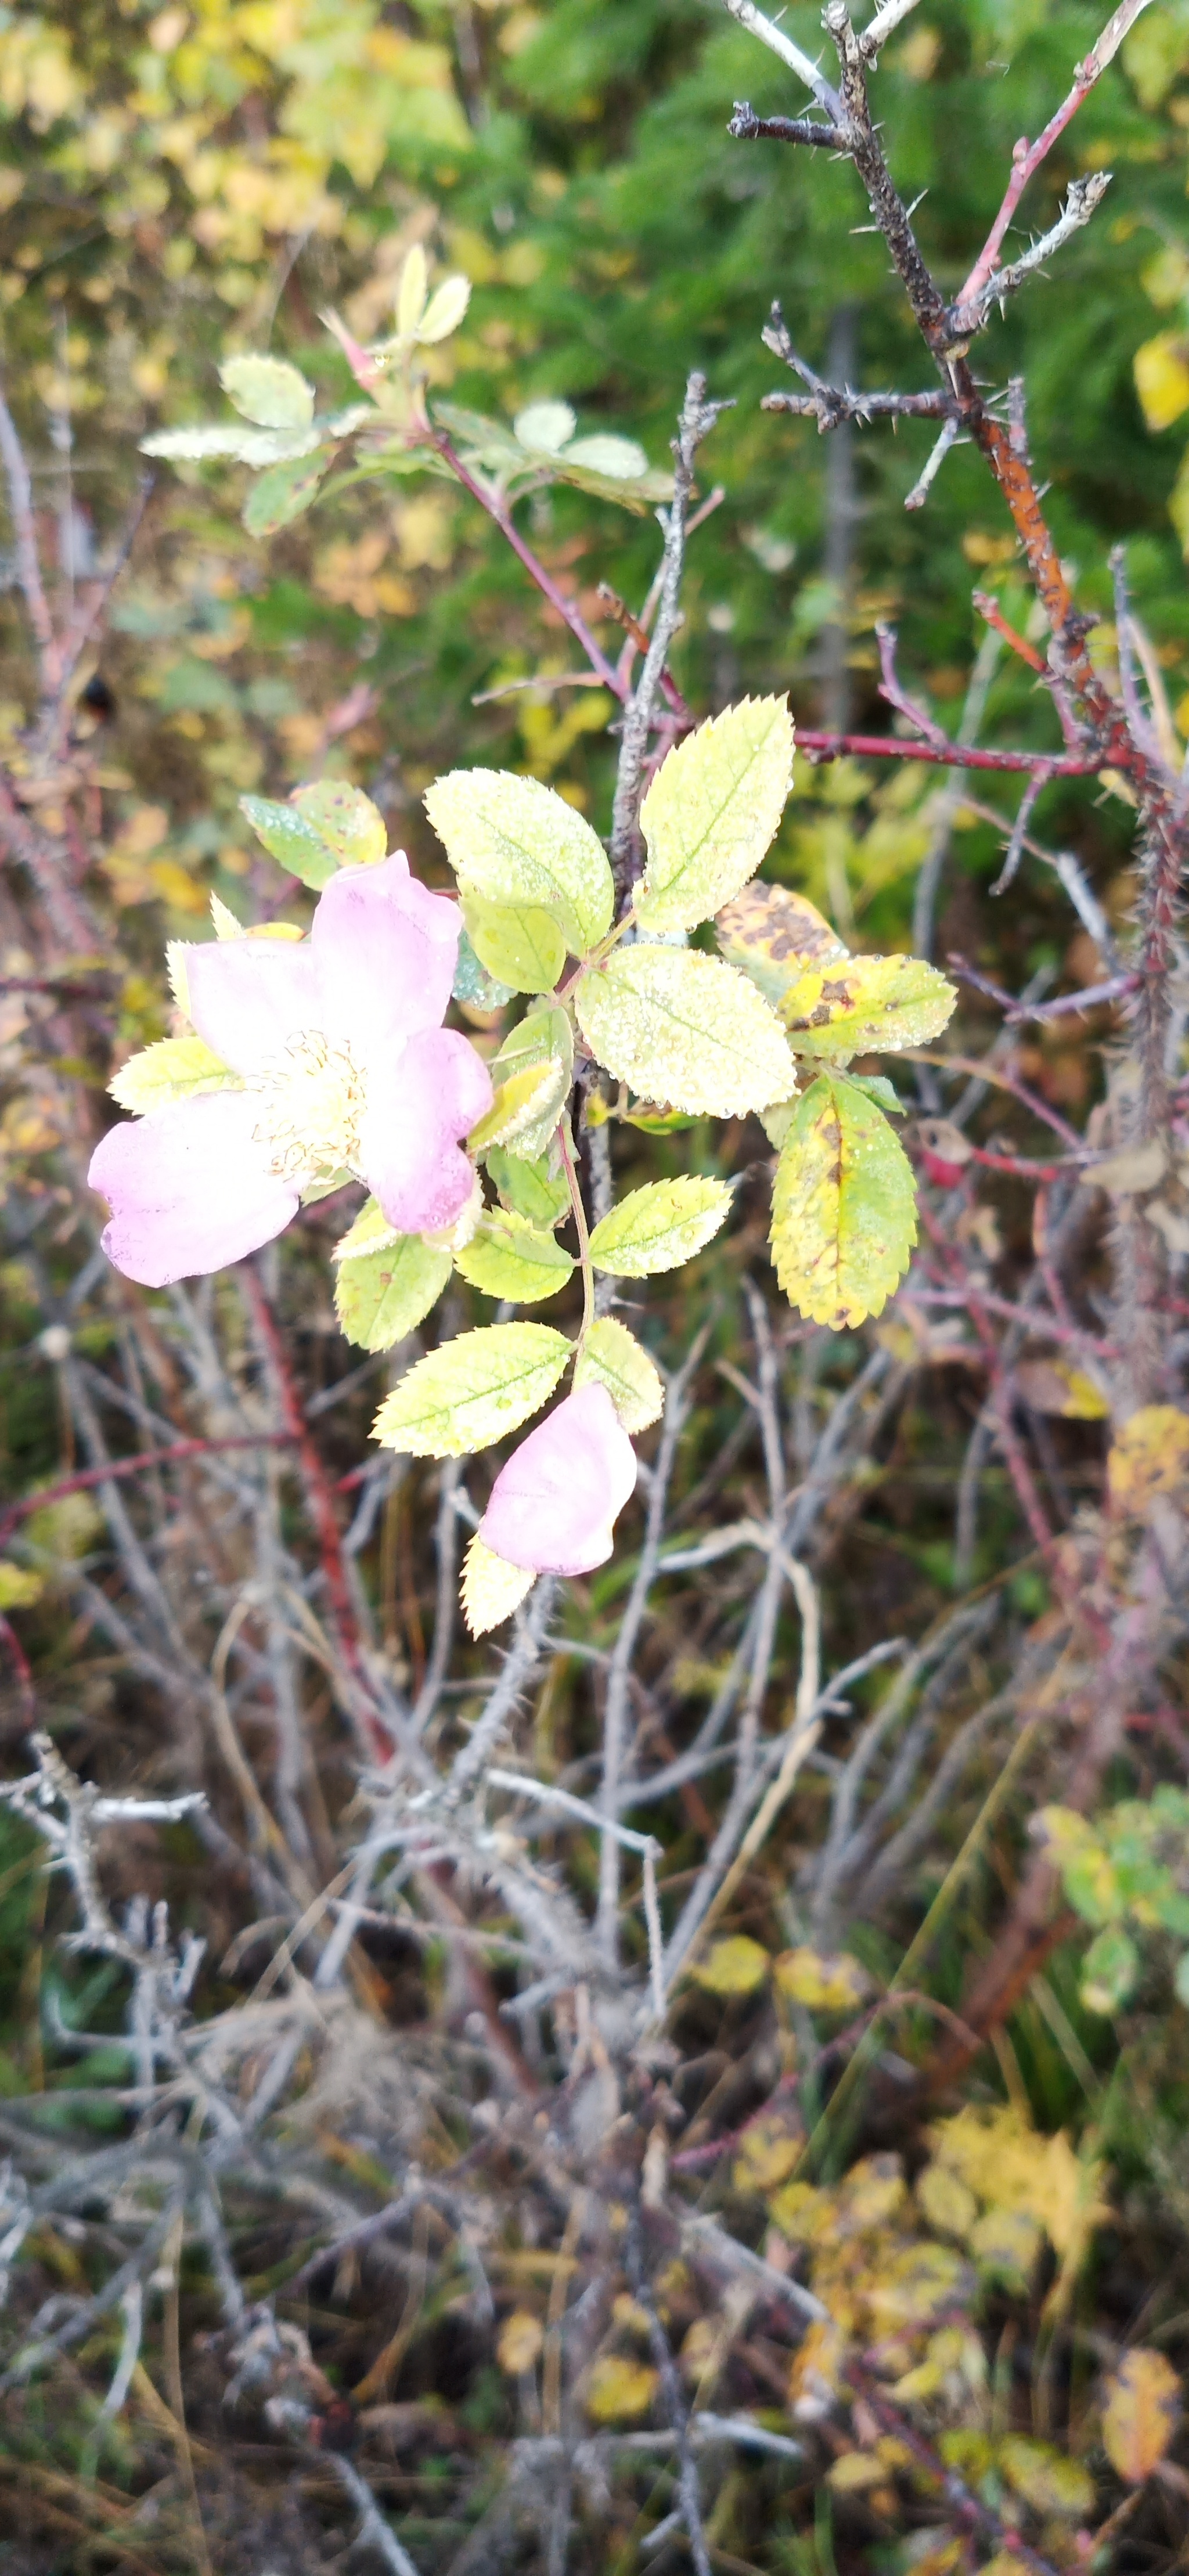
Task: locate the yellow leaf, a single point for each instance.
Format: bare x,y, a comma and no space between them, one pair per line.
1048,2481
492,1587
773,934
1009,2166
520,2339
1162,378
946,2201
1149,1458
830,1985
873,2193
854,2470
916,2285
1140,2414
1006,2242
19,1586
768,2151
800,2211
843,1207
618,2389
733,1967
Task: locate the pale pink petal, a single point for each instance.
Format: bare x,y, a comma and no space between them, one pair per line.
247,997
554,1504
189,1189
408,1149
385,952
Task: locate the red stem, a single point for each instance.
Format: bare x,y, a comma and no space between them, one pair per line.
504,521
952,755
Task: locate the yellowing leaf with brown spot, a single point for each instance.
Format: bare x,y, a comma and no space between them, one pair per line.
1150,1458
831,1985
837,1011
618,2390
843,1208
520,2339
774,934
734,1967
1140,2415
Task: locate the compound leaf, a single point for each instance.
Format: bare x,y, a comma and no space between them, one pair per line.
472,1390
711,811
514,841
660,1226
844,1206
683,1029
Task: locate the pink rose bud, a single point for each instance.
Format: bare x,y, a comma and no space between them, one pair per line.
342,1065
554,1505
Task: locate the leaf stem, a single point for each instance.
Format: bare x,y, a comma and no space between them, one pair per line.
588,1297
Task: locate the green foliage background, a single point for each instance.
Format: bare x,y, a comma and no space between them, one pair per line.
182,181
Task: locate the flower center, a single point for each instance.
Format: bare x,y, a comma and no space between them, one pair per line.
311,1104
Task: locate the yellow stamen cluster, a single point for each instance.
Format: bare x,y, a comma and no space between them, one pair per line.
311,1105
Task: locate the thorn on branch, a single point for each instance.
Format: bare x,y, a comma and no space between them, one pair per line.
831,405
919,494
1082,201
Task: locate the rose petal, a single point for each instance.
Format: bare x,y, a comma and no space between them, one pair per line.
189,1189
436,1092
385,952
553,1506
247,997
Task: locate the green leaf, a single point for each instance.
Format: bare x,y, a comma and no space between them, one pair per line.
1110,1970
531,1188
268,391
879,1089
545,427
865,1003
345,820
514,841
660,1226
284,493
369,1233
613,459
223,438
473,984
472,1391
380,1295
515,1109
543,1043
492,1588
711,811
612,1357
658,1122
173,1069
508,1257
773,935
844,1206
290,840
520,944
683,1029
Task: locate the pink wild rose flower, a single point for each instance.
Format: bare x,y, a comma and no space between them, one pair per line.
341,1063
553,1506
